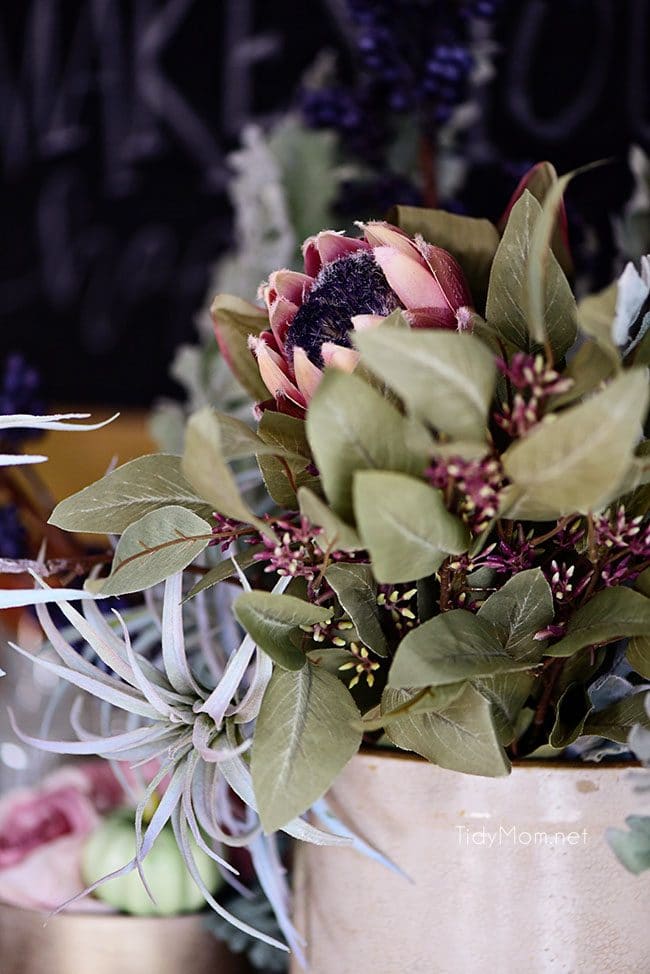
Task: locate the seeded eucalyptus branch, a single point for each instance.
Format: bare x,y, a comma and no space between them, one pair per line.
455,556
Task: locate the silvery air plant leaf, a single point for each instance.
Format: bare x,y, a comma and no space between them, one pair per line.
59,421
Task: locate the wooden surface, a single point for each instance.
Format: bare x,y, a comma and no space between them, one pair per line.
77,459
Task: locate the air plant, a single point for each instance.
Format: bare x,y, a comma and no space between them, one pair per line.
195,730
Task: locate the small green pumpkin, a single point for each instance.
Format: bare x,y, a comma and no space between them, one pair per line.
112,845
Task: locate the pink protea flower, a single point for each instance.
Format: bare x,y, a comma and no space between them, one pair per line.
348,284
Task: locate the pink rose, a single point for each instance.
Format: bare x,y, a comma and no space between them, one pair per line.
43,830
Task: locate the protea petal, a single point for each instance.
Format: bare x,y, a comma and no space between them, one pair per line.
447,272
307,374
327,246
443,318
281,314
291,285
363,322
270,365
339,357
381,234
413,283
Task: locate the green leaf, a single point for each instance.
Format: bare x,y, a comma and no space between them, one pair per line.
352,427
405,526
611,614
461,736
274,622
160,544
616,721
237,440
336,534
518,610
356,590
206,469
472,242
284,478
542,180
224,570
638,655
632,848
571,712
452,647
596,315
588,368
127,494
444,378
577,461
303,738
234,321
287,434
508,296
422,702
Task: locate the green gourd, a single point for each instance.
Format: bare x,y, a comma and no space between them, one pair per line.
112,845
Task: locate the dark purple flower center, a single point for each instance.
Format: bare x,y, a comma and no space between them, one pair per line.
353,285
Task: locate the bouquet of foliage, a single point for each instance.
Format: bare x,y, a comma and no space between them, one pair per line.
458,542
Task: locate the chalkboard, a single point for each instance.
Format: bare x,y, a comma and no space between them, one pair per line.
116,117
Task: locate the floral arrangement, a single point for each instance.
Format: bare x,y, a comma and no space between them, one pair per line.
453,557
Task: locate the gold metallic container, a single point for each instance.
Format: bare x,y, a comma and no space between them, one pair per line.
85,943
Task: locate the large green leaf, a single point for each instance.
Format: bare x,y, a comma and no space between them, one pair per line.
577,461
616,721
518,610
472,242
352,427
160,544
405,526
444,378
304,737
127,494
611,614
274,623
452,647
461,736
508,296
336,534
205,467
357,592
235,320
